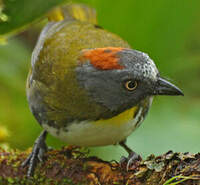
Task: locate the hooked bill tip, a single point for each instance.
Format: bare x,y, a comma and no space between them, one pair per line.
165,87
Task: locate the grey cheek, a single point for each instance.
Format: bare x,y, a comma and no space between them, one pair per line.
101,86
104,92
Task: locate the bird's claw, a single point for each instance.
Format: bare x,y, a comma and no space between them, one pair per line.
131,160
36,155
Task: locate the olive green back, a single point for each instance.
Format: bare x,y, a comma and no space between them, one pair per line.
53,68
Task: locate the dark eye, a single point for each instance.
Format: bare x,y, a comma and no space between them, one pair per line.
130,85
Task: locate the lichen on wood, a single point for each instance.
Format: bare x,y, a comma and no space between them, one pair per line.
71,165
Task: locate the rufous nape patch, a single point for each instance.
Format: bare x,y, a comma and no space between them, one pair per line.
103,58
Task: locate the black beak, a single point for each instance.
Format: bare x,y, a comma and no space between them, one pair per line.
163,87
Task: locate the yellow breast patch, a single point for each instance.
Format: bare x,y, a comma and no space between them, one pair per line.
120,119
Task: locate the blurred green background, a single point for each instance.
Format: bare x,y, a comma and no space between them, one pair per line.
168,30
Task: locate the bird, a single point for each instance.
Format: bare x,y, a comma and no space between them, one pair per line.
87,86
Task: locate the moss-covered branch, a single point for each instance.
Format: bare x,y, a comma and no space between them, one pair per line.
72,166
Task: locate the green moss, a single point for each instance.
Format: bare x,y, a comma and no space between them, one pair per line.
10,180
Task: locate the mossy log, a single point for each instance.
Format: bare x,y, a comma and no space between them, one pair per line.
72,166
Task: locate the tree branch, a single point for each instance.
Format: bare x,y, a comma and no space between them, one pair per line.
70,165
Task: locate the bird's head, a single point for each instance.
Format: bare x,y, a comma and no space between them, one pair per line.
120,78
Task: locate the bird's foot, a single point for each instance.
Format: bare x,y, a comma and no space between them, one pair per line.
133,158
36,155
131,161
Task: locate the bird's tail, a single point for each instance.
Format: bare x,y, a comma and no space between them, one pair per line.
73,11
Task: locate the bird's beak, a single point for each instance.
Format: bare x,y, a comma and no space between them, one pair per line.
163,87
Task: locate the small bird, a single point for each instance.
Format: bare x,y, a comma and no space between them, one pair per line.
86,85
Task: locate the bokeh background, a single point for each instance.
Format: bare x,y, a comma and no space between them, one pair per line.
168,30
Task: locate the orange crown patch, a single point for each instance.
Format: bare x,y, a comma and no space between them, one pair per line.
103,58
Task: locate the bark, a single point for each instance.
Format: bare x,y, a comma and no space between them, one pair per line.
72,166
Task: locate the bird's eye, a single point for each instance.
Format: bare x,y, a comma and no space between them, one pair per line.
130,85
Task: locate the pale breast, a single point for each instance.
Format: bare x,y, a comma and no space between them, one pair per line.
99,133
